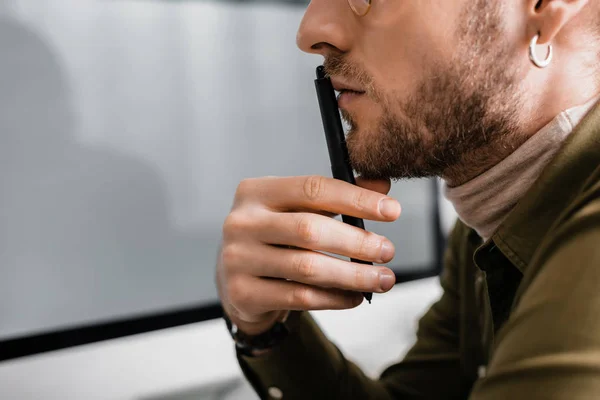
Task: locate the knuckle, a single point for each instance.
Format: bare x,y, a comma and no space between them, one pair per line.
362,244
231,255
360,200
237,292
359,277
378,249
314,187
236,222
366,245
301,298
245,188
305,266
242,189
307,229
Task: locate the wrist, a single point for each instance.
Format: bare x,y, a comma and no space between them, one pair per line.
258,328
261,342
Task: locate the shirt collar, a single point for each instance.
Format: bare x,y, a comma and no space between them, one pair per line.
560,183
486,200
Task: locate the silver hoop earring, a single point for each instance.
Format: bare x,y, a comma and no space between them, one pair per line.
533,56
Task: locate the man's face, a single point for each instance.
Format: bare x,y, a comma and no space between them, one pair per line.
439,83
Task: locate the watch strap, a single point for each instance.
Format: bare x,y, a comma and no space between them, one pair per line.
250,344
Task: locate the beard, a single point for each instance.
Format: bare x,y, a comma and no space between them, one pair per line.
461,120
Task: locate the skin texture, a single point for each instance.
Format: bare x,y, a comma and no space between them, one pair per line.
448,90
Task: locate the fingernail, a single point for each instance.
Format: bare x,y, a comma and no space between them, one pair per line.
386,281
389,208
387,252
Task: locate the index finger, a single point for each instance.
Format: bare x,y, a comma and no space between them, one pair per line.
328,194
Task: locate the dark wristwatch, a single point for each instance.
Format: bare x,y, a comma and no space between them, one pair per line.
248,345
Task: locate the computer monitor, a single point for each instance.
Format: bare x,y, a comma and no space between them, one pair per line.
126,128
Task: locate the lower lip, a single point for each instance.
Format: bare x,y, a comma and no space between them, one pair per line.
345,98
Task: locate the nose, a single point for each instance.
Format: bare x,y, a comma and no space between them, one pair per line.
327,26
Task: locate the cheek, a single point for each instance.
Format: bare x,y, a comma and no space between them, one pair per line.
515,25
405,39
370,116
366,117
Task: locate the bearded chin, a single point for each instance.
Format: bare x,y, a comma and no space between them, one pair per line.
443,130
391,150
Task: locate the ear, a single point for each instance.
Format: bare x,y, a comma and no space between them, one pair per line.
548,17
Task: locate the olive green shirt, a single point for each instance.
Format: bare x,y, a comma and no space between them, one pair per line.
519,317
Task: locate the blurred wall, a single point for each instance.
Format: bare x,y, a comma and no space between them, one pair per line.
125,129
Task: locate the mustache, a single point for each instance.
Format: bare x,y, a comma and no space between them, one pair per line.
338,65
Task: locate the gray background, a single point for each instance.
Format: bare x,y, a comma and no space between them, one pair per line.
126,127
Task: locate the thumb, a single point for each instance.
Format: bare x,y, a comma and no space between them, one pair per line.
380,186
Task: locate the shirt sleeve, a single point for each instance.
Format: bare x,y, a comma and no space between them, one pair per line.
309,366
550,346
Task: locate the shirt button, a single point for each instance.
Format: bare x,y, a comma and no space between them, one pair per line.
275,393
482,371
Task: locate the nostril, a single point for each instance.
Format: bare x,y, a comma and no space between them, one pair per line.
319,47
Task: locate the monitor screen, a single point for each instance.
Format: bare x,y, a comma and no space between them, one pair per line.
126,127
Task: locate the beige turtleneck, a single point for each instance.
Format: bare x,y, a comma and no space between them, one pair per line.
485,201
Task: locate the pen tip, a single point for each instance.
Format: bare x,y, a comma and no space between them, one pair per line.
320,72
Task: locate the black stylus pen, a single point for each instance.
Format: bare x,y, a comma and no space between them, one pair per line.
336,143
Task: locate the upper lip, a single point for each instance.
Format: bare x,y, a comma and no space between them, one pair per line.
341,85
